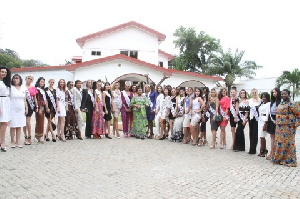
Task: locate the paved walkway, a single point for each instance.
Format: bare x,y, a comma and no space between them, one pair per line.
132,168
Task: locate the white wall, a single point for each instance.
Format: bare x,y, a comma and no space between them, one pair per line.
126,39
47,74
164,59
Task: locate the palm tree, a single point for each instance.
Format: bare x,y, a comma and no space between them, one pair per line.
292,79
230,66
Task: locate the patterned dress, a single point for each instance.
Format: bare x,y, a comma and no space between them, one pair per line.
287,120
139,115
97,120
177,134
71,127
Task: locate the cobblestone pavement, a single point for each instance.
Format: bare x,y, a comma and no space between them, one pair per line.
132,168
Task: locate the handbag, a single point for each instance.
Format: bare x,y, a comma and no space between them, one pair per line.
218,118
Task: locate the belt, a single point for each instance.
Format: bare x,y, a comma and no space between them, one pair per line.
3,96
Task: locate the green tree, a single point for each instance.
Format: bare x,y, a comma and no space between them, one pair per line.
33,63
230,65
10,59
291,79
195,49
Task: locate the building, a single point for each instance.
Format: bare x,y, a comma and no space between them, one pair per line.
128,51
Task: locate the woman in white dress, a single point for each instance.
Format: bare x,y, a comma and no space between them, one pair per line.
164,108
4,104
157,110
117,105
61,108
18,110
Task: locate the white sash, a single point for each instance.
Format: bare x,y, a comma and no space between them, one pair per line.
72,99
99,95
212,111
92,97
29,99
148,96
118,100
223,113
242,116
232,110
106,93
272,119
172,107
43,93
255,113
52,99
126,98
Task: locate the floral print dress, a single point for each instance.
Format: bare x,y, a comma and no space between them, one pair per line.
139,115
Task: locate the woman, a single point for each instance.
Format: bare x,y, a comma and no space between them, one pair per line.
187,115
151,94
287,121
117,105
108,106
41,108
18,110
71,127
244,108
204,119
271,125
224,110
139,104
197,106
88,104
164,108
254,103
61,108
157,110
177,134
4,104
126,96
51,99
172,109
214,110
134,90
97,120
30,92
234,110
263,110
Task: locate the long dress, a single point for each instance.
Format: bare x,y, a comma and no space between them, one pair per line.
117,103
239,142
125,115
88,102
108,101
61,95
139,115
4,103
97,120
271,124
40,115
71,127
177,134
253,125
172,108
287,121
18,118
30,93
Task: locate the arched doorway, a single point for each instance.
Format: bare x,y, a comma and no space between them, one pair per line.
133,77
192,83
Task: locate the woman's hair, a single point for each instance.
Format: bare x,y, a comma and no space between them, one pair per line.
207,93
254,89
220,95
267,95
114,85
76,82
94,85
241,92
69,82
128,83
105,84
37,84
50,80
58,86
29,75
158,87
7,79
169,92
131,88
20,79
288,92
201,92
213,89
276,99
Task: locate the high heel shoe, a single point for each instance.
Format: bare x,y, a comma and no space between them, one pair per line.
106,136
29,140
212,146
205,142
47,139
200,142
3,149
162,137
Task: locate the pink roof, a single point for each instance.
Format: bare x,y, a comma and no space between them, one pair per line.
74,58
160,36
169,56
73,67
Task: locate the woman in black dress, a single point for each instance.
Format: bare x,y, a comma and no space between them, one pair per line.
244,109
51,98
172,109
204,119
108,105
88,103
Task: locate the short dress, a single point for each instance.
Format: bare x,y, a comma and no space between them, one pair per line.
18,117
172,108
32,92
117,102
224,104
61,95
271,124
195,116
4,103
232,105
187,116
51,98
213,124
165,103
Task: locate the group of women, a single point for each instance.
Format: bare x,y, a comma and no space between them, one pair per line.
179,112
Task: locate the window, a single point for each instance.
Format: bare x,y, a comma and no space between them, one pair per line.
96,53
130,53
161,64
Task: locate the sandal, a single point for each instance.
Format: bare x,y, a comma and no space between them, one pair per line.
200,142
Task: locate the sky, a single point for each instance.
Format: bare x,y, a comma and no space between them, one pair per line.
267,30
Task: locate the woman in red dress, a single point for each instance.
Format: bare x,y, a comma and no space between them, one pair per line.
224,111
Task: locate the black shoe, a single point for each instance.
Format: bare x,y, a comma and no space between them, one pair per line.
53,140
143,137
106,135
87,137
3,149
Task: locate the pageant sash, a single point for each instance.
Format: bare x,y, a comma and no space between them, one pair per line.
43,93
72,99
99,95
29,99
118,98
223,113
126,98
92,97
52,99
148,96
255,113
106,93
232,110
